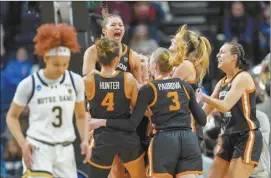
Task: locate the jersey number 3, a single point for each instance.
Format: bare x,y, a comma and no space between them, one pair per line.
108,101
175,99
58,119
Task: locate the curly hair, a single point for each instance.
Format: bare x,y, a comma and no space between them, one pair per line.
54,35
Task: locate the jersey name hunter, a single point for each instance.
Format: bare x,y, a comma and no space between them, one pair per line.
109,85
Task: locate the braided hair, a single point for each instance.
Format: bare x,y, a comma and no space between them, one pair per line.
242,62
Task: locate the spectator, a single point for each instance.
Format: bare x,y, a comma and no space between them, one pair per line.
13,158
141,41
265,79
263,169
238,27
16,70
264,31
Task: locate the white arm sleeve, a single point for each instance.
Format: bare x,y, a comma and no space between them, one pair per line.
79,86
23,92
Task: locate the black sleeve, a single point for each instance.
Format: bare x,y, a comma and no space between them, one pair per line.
145,97
198,113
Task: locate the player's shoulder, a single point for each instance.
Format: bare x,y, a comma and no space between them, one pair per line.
27,80
92,48
90,51
149,86
244,75
74,75
243,78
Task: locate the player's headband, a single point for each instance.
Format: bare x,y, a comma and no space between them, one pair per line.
59,51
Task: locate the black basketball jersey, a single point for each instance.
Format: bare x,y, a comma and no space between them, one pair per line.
110,101
170,107
125,63
242,116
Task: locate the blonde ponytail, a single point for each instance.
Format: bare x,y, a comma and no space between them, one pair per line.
201,61
181,48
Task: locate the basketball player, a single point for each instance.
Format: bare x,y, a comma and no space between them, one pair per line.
113,29
110,94
234,96
52,94
195,65
174,150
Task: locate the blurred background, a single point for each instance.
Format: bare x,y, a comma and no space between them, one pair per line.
148,25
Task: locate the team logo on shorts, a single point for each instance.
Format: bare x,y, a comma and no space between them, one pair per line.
38,87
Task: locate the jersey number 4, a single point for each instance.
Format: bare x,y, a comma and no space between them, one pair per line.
57,122
108,101
175,99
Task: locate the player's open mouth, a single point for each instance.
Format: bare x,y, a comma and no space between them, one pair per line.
219,61
117,34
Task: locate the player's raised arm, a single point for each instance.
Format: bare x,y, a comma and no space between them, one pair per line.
90,59
137,67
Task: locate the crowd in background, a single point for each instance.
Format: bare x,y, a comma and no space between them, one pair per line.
247,23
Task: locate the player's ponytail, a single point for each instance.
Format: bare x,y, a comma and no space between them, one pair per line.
198,52
106,15
107,50
180,48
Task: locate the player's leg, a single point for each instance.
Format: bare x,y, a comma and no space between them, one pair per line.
41,161
65,165
190,160
98,172
240,169
101,160
136,168
246,154
132,155
118,169
224,151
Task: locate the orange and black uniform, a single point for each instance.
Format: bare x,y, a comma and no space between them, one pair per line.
174,148
110,101
241,136
126,65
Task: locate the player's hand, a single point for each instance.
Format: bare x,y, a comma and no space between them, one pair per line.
199,95
27,150
96,123
85,150
148,112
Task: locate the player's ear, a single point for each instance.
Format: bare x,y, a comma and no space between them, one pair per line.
104,31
